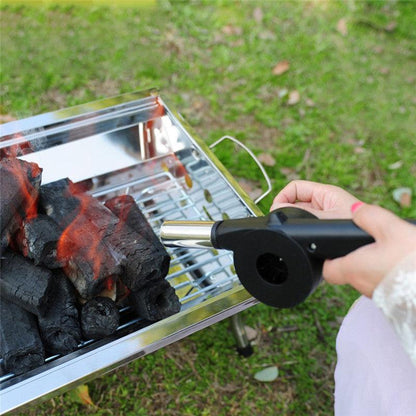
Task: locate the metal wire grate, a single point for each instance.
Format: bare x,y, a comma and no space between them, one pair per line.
195,274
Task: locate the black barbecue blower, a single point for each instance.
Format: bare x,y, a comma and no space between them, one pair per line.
278,257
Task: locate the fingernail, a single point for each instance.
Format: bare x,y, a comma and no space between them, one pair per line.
356,205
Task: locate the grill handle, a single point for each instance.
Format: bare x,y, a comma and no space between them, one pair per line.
253,156
278,257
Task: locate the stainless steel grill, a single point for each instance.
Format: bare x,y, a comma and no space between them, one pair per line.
134,144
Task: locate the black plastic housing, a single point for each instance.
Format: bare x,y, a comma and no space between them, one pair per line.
279,257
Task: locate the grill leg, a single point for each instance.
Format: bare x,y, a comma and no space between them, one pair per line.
244,347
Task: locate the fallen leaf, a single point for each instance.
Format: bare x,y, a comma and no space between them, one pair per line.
290,173
5,118
258,14
228,30
238,42
294,97
267,35
81,395
396,165
281,67
309,102
267,375
232,30
252,188
359,150
250,332
266,159
378,49
282,93
403,196
390,27
342,26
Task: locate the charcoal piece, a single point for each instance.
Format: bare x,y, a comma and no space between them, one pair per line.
88,277
147,260
60,328
104,241
141,264
20,343
126,209
25,284
58,202
156,301
83,247
19,184
99,318
38,239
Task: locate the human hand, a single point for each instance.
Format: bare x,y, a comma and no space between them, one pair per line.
364,268
324,201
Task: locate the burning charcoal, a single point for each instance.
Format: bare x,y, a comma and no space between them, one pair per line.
20,343
141,259
88,277
58,202
156,301
83,247
38,239
126,209
19,184
99,317
25,284
24,147
59,327
104,241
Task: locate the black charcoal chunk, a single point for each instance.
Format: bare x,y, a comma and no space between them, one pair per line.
126,209
25,284
60,328
88,258
58,202
100,317
20,343
19,184
38,240
156,301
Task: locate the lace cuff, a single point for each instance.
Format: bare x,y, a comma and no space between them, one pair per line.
396,297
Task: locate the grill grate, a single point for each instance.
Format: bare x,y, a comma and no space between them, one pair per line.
195,274
133,144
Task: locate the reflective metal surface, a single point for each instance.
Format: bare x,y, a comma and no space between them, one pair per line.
134,144
190,234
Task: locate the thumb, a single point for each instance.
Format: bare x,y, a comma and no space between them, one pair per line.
376,221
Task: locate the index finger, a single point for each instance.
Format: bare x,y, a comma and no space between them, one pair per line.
298,190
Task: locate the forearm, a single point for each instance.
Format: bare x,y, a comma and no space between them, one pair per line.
396,297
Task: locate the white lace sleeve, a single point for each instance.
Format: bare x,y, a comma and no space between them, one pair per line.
396,297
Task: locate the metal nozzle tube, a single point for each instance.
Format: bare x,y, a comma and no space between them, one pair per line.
186,233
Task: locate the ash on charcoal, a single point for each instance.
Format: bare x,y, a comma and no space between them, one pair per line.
25,284
126,209
38,239
100,317
19,184
155,301
20,343
58,202
60,327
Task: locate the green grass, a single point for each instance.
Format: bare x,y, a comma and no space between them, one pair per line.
213,62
